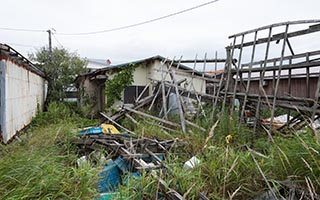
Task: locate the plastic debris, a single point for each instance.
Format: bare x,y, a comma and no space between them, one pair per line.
191,163
82,161
123,165
91,131
108,196
228,139
109,129
110,179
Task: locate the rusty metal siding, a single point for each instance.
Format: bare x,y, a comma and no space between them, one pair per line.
24,94
298,87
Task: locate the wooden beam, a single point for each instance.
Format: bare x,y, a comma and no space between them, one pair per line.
182,119
284,67
115,123
301,55
152,117
277,25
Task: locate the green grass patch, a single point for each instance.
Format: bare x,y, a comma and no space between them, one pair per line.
43,164
227,169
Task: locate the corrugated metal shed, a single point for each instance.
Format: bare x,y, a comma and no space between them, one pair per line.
23,89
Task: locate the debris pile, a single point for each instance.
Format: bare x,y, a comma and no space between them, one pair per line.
132,156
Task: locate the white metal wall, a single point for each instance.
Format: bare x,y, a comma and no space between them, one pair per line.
24,94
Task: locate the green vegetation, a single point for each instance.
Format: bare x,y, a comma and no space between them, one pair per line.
61,68
43,164
116,85
232,170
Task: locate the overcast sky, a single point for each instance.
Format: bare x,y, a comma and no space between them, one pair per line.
205,29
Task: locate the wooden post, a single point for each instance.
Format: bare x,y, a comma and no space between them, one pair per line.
316,100
228,71
235,84
165,76
215,86
289,89
115,123
192,74
278,79
183,124
164,99
307,78
257,116
143,91
248,81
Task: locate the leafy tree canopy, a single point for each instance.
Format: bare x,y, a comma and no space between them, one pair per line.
61,68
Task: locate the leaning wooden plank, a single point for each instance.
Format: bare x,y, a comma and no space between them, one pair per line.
278,79
152,117
283,67
202,196
182,119
155,98
281,36
195,125
261,89
170,194
163,127
157,159
227,71
142,102
291,57
316,100
143,91
115,123
131,118
277,25
164,99
242,116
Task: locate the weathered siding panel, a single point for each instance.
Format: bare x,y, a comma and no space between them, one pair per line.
24,95
298,87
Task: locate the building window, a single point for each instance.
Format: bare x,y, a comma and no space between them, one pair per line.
131,93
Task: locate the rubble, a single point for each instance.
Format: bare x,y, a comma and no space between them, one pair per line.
133,155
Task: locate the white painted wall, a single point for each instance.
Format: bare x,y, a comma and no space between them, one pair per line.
24,93
155,72
140,76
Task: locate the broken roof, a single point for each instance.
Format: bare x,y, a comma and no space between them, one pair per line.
8,52
157,57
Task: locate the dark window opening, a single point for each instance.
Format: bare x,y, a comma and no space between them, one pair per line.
131,93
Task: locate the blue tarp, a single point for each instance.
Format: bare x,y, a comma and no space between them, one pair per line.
109,179
91,131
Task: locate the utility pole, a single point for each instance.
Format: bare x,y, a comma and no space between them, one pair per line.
50,43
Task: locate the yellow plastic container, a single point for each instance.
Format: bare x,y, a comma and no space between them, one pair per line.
108,128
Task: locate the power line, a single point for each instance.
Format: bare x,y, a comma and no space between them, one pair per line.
56,39
21,29
23,45
114,29
141,23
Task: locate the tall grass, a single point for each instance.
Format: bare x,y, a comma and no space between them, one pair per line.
42,165
231,170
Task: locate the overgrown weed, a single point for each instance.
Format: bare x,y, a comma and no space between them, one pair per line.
43,164
229,170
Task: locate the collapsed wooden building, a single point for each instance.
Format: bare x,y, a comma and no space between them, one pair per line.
274,75
262,71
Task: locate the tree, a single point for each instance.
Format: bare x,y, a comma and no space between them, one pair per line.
61,68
